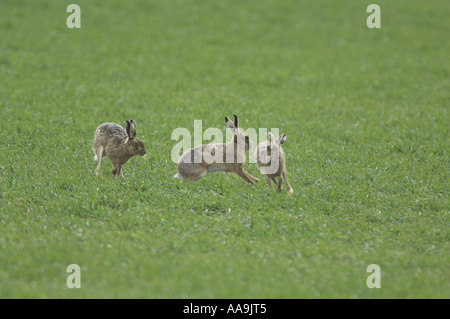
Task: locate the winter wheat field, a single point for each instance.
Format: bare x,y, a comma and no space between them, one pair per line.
366,112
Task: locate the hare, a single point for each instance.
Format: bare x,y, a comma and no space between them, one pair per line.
228,157
271,161
113,141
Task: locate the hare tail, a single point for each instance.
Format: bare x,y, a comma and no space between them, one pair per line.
177,175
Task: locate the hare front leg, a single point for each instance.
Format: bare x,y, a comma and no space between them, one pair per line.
245,176
252,178
256,180
280,180
119,173
268,180
116,169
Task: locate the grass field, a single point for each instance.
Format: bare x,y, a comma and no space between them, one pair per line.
365,111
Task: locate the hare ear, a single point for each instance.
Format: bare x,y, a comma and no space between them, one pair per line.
128,129
281,139
271,139
133,128
236,121
230,125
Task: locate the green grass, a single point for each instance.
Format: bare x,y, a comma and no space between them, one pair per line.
366,113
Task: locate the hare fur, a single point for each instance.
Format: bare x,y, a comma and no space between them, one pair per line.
228,157
271,162
113,141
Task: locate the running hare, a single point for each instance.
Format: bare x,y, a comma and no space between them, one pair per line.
217,157
111,140
271,161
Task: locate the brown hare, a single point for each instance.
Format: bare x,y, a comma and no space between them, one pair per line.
271,161
228,157
113,141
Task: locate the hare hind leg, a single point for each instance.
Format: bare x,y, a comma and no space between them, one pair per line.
198,175
289,188
190,171
99,155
